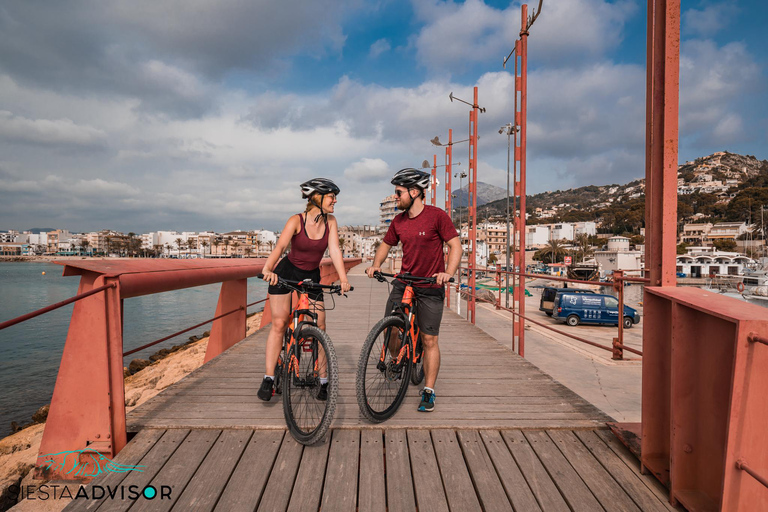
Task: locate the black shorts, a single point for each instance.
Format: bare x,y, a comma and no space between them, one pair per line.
288,270
430,306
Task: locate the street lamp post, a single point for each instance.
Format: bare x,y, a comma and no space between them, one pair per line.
509,129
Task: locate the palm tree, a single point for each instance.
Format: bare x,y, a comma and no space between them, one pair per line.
179,244
84,243
554,249
203,244
248,252
584,249
235,245
227,241
168,249
216,243
157,250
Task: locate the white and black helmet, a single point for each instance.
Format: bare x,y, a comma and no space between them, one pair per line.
320,186
410,178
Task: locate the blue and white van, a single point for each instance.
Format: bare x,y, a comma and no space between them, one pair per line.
574,309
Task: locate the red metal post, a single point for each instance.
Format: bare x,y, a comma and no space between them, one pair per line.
88,405
618,343
448,175
227,331
434,180
473,115
521,110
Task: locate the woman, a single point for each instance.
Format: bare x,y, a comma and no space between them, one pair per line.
310,234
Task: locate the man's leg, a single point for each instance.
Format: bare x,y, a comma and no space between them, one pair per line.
431,359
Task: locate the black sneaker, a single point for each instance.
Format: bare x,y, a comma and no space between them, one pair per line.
323,393
265,391
427,401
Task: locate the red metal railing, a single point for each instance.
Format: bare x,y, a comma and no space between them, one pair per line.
87,411
742,465
166,338
618,346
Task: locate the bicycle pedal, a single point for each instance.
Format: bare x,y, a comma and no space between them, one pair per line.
381,366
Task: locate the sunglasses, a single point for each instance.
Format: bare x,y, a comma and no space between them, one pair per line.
399,193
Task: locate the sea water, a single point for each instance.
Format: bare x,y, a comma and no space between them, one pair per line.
31,351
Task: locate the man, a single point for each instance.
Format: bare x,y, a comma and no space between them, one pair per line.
422,229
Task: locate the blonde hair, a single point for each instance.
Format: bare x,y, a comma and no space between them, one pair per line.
311,203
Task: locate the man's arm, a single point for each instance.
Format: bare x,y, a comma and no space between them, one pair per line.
378,259
454,260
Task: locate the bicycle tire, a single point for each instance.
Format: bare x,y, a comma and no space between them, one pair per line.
417,372
393,379
310,428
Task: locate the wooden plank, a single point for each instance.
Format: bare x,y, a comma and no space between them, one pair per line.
246,485
132,454
308,489
603,486
645,490
400,496
340,491
427,481
542,486
490,492
372,492
571,486
153,461
512,479
277,494
456,480
209,481
178,471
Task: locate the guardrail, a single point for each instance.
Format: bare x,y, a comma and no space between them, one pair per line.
619,278
87,412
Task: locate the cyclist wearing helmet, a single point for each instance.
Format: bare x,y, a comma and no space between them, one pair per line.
422,229
310,234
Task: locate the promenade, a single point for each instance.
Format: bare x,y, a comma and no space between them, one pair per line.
504,436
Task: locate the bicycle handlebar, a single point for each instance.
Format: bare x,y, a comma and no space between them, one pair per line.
332,288
407,277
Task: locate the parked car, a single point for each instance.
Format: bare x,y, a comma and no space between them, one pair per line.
575,308
547,302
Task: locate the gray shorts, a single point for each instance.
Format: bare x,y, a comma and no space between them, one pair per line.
430,306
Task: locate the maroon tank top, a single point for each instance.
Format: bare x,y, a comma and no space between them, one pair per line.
305,252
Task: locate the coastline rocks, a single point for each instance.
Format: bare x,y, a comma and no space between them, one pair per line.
138,365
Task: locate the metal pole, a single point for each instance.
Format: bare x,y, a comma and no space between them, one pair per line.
473,208
509,137
618,343
434,180
522,124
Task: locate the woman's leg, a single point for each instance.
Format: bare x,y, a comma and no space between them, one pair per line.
319,308
280,306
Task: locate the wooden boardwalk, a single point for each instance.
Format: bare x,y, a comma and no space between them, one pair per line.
482,384
504,436
378,470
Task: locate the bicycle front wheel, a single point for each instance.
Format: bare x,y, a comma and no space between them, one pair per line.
307,413
384,369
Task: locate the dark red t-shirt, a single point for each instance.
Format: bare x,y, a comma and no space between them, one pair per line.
422,238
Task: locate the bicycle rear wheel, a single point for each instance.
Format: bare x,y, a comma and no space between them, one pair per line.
311,357
417,373
384,369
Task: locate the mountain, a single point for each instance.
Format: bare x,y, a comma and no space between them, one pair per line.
37,231
485,194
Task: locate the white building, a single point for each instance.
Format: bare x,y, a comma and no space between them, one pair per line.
387,211
562,231
587,228
536,235
618,256
706,261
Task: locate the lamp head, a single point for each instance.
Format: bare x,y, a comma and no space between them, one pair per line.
436,141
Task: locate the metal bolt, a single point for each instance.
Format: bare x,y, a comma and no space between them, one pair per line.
109,436
98,436
687,448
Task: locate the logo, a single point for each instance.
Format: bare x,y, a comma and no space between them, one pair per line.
572,299
84,463
422,233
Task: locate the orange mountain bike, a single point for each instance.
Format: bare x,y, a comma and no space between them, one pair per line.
391,355
306,357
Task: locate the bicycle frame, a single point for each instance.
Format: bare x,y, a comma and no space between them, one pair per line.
299,312
406,309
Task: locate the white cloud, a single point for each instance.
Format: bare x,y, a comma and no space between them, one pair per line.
379,47
368,170
48,131
456,36
708,21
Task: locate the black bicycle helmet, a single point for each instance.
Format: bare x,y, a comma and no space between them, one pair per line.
321,186
410,178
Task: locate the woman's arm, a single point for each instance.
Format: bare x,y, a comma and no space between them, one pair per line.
335,251
290,229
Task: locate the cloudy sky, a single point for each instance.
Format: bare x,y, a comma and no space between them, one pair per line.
201,114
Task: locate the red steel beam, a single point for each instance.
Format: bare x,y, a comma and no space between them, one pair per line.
434,181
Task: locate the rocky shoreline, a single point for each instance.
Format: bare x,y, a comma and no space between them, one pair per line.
144,378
